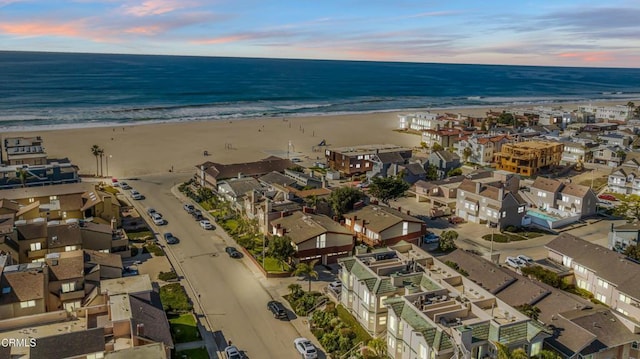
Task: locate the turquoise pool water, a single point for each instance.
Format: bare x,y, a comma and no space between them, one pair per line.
541,215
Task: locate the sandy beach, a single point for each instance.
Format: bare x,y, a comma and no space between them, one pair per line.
157,148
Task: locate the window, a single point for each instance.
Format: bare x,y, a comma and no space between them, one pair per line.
357,165
321,241
365,315
520,209
624,298
577,201
405,228
6,290
68,287
53,198
382,299
536,348
461,193
28,304
580,269
582,284
382,320
70,248
366,297
601,297
360,157
98,355
622,311
392,342
104,251
423,351
603,284
392,323
64,214
37,260
366,164
31,200
36,246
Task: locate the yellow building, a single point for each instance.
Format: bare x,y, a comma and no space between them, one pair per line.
528,158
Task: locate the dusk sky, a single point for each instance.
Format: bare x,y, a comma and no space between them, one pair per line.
542,32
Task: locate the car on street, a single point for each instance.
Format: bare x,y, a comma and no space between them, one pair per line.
305,348
197,214
231,352
514,262
335,286
608,197
278,310
151,211
189,208
431,238
525,259
170,238
136,195
206,224
124,185
157,219
233,252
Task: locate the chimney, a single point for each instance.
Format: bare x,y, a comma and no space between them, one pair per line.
140,330
478,187
113,224
408,213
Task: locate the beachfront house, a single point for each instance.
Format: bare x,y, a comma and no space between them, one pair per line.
577,152
492,200
356,160
445,137
210,173
480,149
235,191
23,151
444,162
616,113
314,236
381,226
420,121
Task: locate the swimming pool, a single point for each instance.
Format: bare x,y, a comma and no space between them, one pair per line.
544,216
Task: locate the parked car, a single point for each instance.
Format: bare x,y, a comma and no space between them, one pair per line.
231,352
608,197
233,252
115,183
124,185
136,195
431,238
278,310
169,237
305,348
526,260
151,211
206,224
514,262
335,286
157,219
197,214
456,220
189,208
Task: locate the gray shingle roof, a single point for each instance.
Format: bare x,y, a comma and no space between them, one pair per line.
69,344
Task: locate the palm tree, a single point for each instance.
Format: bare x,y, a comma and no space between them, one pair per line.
95,151
101,154
376,349
22,175
630,106
307,270
466,153
505,353
295,290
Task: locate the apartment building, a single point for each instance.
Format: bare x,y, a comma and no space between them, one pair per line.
610,276
491,200
314,237
528,158
431,310
445,137
480,148
381,226
420,121
361,159
617,113
23,151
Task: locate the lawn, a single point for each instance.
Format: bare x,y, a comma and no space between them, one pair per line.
184,328
174,298
200,353
504,237
347,318
141,236
598,183
231,225
154,249
272,265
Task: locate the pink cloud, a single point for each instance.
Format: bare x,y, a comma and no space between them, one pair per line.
595,56
221,40
41,29
144,30
155,7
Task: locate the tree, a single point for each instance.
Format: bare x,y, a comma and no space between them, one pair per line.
387,188
629,207
376,349
423,145
281,249
432,172
630,106
447,241
101,154
454,172
547,354
466,153
529,310
95,150
633,252
436,147
504,352
295,290
307,270
506,118
343,199
22,174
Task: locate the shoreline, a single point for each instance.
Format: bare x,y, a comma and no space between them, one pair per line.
474,108
152,148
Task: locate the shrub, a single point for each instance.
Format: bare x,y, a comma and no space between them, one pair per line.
154,249
166,276
174,298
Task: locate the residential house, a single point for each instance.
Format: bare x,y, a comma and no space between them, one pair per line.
66,286
445,137
480,148
570,318
276,178
610,276
617,113
235,191
615,139
314,237
420,121
304,180
624,235
577,152
105,238
88,343
444,161
528,158
491,200
431,310
56,172
101,205
59,202
439,194
361,159
63,237
380,226
24,288
411,172
210,173
23,151
625,179
385,164
558,203
611,156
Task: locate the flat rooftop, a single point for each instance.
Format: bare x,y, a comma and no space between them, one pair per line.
125,285
39,331
363,149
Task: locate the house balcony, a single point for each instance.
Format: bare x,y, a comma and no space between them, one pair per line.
75,295
36,254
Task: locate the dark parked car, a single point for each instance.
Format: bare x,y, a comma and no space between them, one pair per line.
170,238
189,208
277,309
233,252
197,214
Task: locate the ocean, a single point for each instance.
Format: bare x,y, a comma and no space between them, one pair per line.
61,90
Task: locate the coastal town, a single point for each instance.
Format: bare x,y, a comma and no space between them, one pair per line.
508,233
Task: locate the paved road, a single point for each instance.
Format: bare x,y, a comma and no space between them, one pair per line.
231,295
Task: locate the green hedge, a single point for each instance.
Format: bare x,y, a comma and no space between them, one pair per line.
174,298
